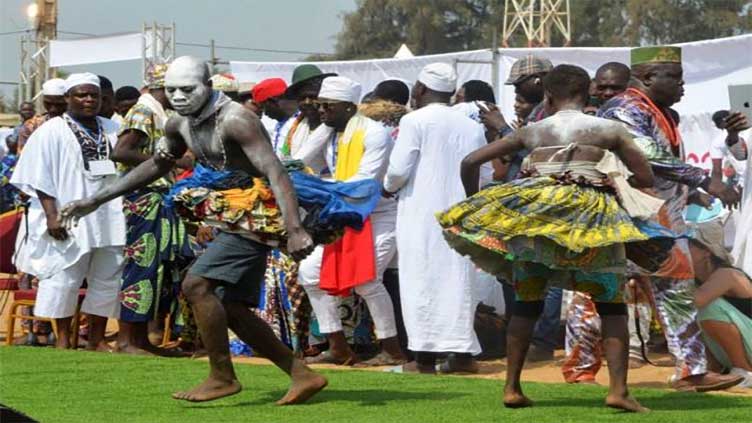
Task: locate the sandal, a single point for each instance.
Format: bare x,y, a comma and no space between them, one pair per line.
380,360
327,358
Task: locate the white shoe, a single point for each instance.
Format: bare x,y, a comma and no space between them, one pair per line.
747,382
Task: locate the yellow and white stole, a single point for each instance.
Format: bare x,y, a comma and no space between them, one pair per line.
350,148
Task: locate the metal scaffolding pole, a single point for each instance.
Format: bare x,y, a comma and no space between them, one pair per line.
34,50
537,19
158,45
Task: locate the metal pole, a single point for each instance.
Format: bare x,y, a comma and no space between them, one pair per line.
22,77
495,64
155,42
173,53
212,56
143,52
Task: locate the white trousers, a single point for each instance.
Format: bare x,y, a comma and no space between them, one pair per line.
57,296
326,307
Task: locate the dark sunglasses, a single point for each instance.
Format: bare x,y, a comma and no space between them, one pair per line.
325,104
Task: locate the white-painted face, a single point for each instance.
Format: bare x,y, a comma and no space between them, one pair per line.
185,85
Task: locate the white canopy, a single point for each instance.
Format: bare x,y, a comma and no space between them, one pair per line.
709,67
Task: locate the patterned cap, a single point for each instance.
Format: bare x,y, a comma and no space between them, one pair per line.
526,66
225,82
245,87
655,54
155,76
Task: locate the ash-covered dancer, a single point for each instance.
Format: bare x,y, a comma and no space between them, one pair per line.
566,224
228,138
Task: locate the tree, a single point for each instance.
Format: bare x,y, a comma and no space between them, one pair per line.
378,27
651,22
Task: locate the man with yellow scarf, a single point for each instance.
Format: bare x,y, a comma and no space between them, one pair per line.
354,147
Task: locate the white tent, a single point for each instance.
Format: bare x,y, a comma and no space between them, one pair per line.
709,67
403,52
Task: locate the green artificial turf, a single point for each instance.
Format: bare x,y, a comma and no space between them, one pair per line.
75,386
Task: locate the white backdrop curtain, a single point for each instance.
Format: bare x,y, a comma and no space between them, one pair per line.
709,67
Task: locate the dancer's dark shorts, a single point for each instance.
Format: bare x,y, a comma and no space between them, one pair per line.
237,264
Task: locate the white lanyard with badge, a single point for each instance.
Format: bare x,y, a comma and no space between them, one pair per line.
101,166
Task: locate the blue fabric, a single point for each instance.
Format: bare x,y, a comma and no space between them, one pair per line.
546,333
209,178
698,214
339,202
655,230
336,204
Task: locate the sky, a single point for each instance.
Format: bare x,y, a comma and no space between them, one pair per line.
304,25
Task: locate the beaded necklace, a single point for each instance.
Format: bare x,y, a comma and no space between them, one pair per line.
200,147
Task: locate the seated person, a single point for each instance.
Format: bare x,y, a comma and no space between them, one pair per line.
724,302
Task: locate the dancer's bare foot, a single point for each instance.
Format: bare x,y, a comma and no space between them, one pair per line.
516,400
626,403
209,390
305,384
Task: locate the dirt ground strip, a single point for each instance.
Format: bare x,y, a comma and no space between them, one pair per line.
550,372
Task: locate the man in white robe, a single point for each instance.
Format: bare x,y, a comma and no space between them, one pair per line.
436,283
338,98
67,158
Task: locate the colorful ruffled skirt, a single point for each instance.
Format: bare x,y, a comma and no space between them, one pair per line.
565,226
235,202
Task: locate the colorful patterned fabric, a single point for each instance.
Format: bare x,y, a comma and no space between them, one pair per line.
357,325
93,146
10,196
655,132
674,302
156,252
234,202
532,280
155,75
542,220
548,231
283,303
141,118
583,332
583,340
29,127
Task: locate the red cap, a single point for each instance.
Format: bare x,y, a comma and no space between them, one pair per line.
268,88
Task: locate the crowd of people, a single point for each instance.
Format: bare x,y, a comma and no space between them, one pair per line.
314,223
